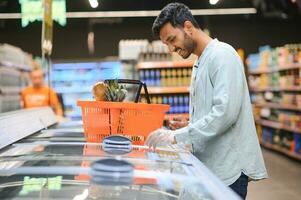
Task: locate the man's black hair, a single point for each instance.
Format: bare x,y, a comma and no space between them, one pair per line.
176,14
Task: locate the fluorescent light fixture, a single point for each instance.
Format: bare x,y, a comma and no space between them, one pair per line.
142,13
93,3
213,2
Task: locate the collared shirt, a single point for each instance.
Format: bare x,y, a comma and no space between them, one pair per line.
221,128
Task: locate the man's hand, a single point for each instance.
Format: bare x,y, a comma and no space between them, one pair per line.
160,137
177,122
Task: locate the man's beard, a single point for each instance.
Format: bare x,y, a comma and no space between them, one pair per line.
189,46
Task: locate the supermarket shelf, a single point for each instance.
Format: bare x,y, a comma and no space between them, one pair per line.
10,64
10,89
278,106
289,66
281,150
64,90
75,66
171,116
164,64
278,125
277,89
276,69
73,79
167,90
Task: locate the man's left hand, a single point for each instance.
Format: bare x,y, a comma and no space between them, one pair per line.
160,137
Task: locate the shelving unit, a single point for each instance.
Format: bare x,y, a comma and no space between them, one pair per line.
276,69
280,149
168,90
168,83
278,125
278,106
165,64
275,89
14,76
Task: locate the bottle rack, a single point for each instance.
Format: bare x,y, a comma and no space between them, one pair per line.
275,89
179,103
166,77
168,83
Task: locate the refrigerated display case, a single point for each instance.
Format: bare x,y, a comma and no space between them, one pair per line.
74,81
56,163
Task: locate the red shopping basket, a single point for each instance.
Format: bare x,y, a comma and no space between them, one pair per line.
135,120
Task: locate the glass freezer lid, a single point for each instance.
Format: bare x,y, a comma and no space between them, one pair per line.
57,135
164,174
82,154
83,149
62,132
56,171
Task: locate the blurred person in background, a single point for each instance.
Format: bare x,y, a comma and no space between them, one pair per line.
38,94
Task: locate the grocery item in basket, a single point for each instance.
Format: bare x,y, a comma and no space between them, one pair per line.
110,91
99,91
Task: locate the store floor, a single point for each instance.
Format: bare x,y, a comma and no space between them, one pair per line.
284,179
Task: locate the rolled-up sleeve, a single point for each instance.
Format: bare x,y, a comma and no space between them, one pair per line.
227,80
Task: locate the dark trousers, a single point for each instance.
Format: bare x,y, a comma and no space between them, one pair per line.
240,186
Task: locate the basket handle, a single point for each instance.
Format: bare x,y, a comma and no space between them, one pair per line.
137,82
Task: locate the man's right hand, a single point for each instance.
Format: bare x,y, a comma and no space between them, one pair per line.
177,122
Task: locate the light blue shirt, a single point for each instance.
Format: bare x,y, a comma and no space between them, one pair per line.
221,128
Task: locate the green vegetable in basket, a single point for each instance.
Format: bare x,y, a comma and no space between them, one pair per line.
115,92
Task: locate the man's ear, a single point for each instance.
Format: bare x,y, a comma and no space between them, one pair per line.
188,27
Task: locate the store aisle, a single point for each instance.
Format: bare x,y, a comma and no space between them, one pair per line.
284,179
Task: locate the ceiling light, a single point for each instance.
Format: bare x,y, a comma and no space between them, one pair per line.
213,2
93,3
142,13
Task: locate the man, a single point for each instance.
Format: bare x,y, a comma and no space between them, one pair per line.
221,130
39,95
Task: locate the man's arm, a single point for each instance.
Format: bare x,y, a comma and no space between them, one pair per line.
22,99
55,104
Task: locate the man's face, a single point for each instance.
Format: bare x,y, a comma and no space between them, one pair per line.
37,78
177,40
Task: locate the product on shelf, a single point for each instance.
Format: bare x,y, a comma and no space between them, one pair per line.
282,99
155,51
166,77
143,50
271,58
130,49
179,103
290,120
298,99
297,143
267,134
275,67
280,138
